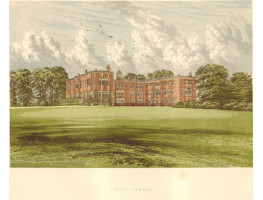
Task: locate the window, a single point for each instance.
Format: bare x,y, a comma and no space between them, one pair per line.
77,85
120,85
89,82
188,91
188,82
139,101
133,101
104,81
168,91
167,83
119,92
132,86
120,100
158,92
164,92
139,93
104,95
132,93
166,100
150,93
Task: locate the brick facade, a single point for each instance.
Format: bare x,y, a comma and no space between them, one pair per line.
100,85
93,84
162,92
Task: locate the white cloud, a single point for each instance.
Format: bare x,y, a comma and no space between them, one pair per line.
229,45
119,57
40,51
158,45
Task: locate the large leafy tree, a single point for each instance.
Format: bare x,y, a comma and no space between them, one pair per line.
212,83
23,86
13,88
50,85
241,87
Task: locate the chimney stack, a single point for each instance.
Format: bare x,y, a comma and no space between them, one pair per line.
108,68
86,71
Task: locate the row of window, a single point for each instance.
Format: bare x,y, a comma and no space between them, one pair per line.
150,101
187,91
87,82
186,82
105,81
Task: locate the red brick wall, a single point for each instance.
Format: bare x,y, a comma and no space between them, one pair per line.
171,91
95,76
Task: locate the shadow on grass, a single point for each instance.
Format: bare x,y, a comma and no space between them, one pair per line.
121,146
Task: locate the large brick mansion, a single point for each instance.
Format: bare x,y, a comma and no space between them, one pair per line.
100,87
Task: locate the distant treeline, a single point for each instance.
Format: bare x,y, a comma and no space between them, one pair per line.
44,87
158,74
217,90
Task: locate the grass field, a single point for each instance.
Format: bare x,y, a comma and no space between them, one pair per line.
129,137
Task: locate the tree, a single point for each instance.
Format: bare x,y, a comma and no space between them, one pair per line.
130,76
150,76
39,85
13,88
24,89
241,87
50,85
140,77
58,84
158,74
133,76
212,84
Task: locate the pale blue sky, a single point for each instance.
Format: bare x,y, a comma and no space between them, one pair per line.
141,36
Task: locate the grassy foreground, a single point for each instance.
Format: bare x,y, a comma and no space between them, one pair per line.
129,137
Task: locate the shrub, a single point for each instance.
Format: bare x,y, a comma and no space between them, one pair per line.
179,105
239,106
209,105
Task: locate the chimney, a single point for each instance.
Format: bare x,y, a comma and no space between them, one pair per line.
108,68
190,74
86,71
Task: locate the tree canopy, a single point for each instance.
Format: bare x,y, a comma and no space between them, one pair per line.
212,83
133,76
241,87
160,74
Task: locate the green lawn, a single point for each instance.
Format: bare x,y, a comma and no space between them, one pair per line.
129,137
